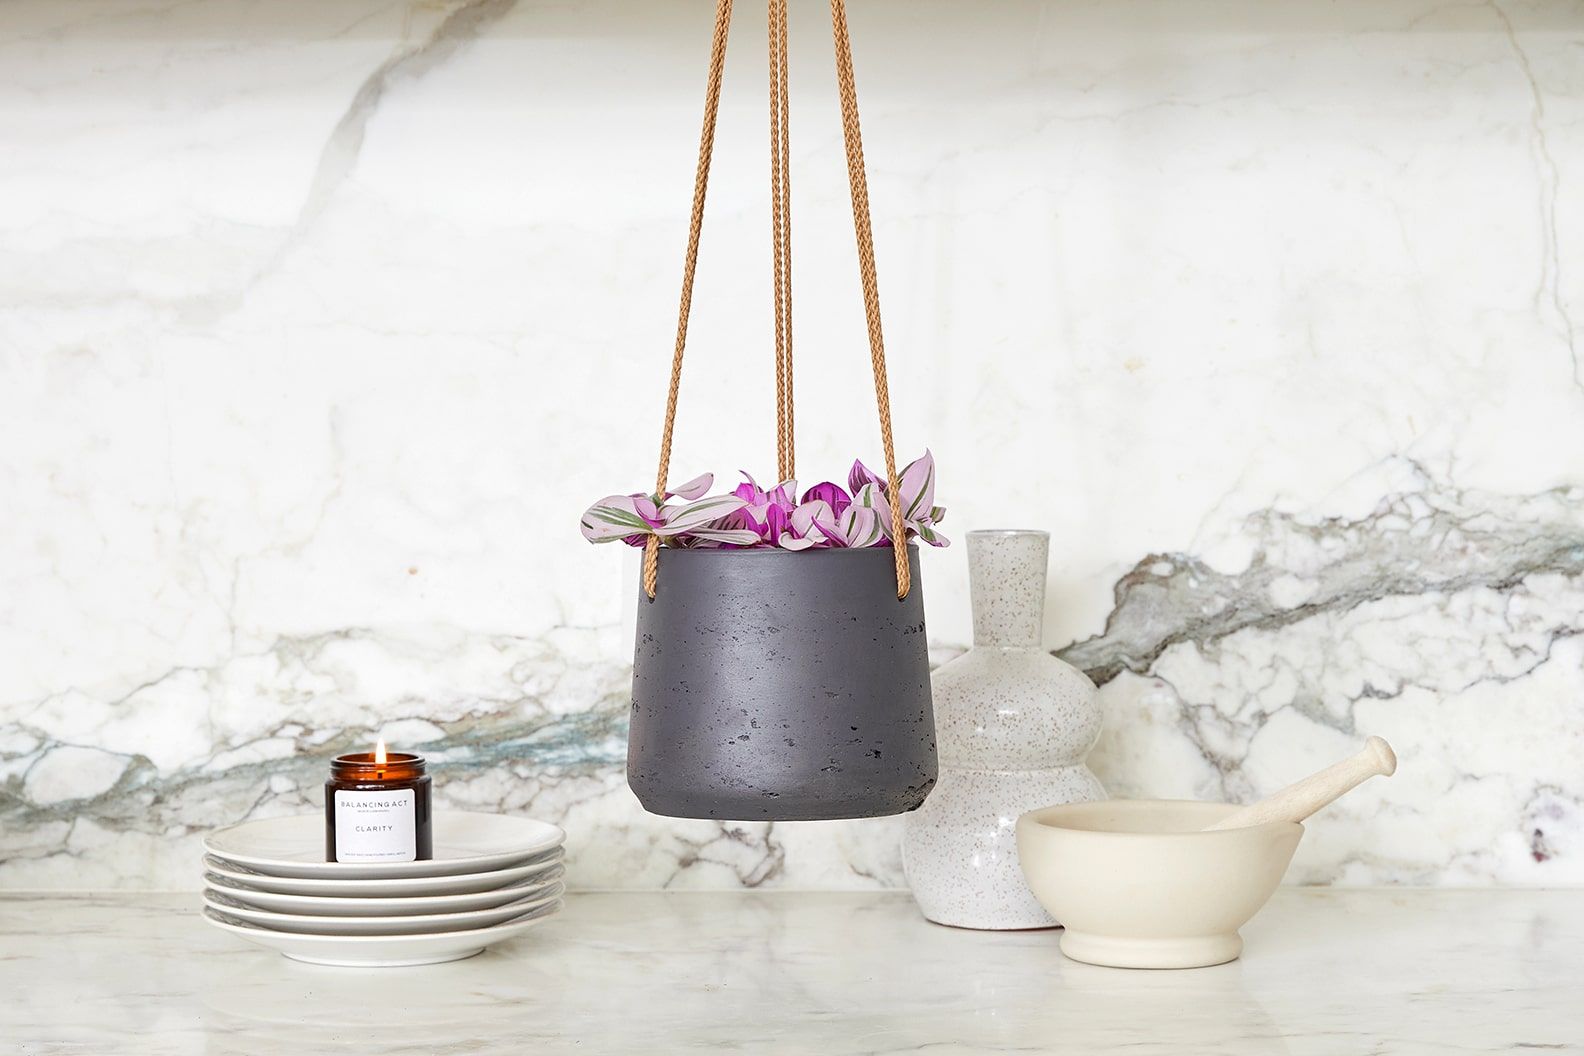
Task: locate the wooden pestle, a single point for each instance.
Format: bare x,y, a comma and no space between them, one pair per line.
1297,801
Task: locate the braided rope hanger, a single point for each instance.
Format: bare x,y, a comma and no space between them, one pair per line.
781,237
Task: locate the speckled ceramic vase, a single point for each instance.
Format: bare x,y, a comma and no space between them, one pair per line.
1015,726
770,685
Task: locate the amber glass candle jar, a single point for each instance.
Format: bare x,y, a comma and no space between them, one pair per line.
377,808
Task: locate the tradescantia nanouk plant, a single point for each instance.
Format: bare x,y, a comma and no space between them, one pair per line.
752,517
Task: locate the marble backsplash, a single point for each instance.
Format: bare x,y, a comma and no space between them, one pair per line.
315,318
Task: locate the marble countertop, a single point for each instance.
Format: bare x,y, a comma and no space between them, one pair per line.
1325,971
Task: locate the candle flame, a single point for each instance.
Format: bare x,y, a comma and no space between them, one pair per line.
379,752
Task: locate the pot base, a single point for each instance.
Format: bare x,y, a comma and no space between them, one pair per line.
772,806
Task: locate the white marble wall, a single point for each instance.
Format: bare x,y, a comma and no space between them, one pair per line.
315,316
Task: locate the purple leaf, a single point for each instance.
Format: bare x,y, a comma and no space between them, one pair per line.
743,520
860,475
759,501
792,542
831,494
750,491
777,524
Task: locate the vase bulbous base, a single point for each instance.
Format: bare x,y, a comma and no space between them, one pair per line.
959,850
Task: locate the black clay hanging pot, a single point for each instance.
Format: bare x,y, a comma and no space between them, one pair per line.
772,685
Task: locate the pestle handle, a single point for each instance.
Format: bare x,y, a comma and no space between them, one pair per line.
1297,801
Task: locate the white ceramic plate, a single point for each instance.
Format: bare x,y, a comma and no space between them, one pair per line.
331,905
402,887
381,951
423,924
464,842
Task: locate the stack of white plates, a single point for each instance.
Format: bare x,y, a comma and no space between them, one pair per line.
491,877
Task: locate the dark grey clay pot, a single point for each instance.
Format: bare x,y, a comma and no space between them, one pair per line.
778,686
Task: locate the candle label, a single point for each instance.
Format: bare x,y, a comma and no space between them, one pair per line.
376,826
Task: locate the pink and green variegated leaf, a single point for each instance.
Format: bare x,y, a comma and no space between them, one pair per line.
860,475
784,495
813,517
693,489
869,497
734,536
859,526
644,506
926,531
679,519
917,485
614,517
752,516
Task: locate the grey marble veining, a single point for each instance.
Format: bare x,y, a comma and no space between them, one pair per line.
1230,654
317,318
1425,543
1445,619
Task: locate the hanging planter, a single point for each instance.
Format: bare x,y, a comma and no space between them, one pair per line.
770,684
777,673
781,670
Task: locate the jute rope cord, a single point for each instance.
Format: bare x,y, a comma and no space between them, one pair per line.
781,238
859,184
712,93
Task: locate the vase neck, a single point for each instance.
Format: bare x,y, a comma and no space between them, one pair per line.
1006,577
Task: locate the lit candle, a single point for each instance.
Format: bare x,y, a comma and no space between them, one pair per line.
377,808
